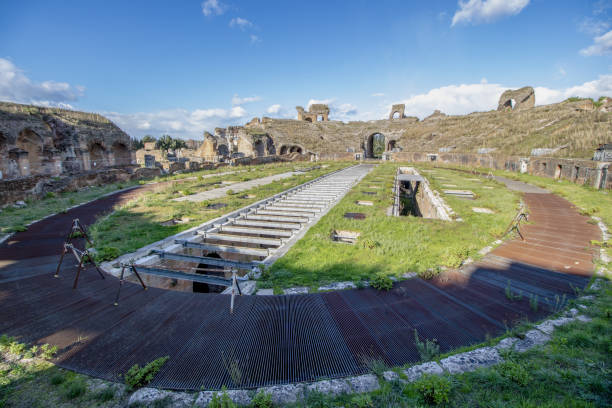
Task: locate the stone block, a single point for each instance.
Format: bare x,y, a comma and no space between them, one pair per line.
284,394
415,372
330,387
471,360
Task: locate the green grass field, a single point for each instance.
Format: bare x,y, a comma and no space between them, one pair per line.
396,245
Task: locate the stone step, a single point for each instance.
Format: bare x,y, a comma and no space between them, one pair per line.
257,231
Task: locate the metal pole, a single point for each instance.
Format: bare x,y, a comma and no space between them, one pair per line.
233,291
76,279
60,262
120,284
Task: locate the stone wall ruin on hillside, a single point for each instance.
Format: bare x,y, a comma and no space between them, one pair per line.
517,99
51,141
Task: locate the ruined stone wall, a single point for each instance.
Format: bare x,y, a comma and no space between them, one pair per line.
51,141
35,187
580,171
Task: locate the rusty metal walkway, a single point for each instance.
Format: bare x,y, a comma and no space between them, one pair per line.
281,339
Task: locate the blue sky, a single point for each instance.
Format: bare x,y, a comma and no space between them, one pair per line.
187,66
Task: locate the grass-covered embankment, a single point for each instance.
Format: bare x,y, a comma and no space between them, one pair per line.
395,245
138,223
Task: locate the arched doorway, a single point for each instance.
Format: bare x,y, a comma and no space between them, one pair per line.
121,154
4,159
97,156
284,150
270,146
308,120
391,145
259,148
31,146
396,115
223,150
375,146
296,149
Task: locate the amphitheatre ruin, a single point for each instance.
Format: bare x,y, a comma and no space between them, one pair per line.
295,256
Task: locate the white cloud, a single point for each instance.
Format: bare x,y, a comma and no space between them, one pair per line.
455,99
318,101
273,109
486,11
236,100
213,8
15,86
178,122
378,94
466,98
255,38
240,22
602,45
593,26
602,86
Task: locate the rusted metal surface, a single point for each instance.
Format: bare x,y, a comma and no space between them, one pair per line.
280,339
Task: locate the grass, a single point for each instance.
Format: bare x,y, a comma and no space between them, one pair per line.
15,219
395,245
138,223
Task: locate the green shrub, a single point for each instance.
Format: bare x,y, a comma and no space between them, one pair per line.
381,282
222,401
428,349
433,389
514,372
50,194
47,352
57,379
105,395
262,400
137,377
362,401
74,388
230,192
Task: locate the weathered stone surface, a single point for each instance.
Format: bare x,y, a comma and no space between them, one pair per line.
415,372
329,387
523,98
391,376
149,396
300,290
532,339
506,343
239,397
549,325
399,110
364,383
471,360
338,286
436,115
284,394
265,292
52,141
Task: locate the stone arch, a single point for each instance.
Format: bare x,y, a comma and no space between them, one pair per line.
97,155
4,157
223,150
396,115
308,119
29,156
391,145
296,149
375,145
320,118
259,148
270,148
121,153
